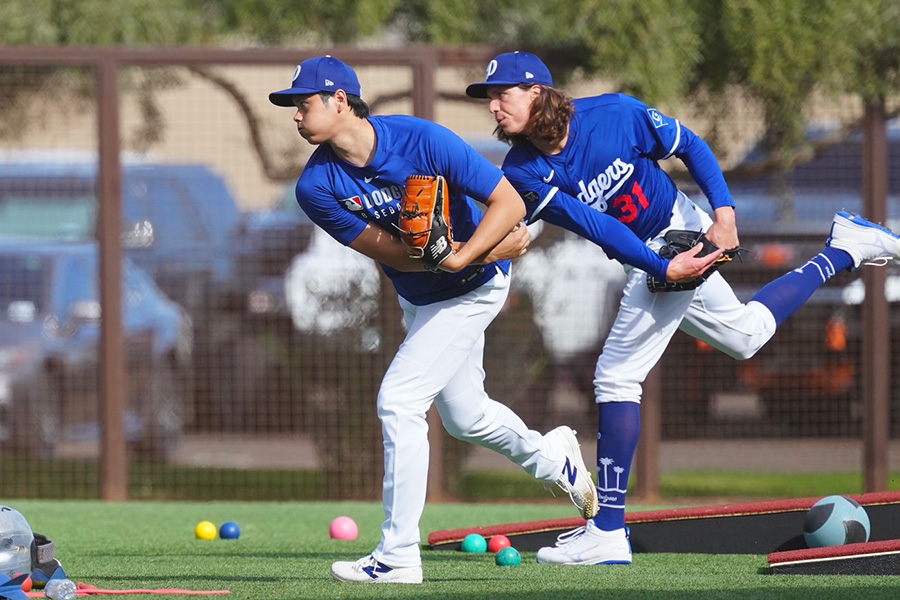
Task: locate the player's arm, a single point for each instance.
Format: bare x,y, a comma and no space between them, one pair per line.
366,238
620,243
385,247
505,210
659,137
704,168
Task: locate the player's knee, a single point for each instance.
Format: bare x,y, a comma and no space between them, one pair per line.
743,352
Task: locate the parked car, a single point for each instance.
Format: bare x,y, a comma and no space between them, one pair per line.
182,225
49,350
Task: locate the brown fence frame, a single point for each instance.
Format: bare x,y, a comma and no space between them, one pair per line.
424,61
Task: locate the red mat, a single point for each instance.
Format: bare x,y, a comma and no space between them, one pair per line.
744,528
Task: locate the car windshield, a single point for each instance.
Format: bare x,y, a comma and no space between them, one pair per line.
47,216
23,281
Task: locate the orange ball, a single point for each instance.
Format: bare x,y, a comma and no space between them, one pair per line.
27,584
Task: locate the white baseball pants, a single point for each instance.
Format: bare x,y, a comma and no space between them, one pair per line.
441,361
646,321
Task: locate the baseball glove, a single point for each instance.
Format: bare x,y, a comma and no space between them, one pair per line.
678,241
424,221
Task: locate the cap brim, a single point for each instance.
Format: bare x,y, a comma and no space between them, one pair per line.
479,90
286,97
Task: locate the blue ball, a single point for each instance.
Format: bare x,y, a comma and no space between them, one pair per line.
474,543
229,531
834,521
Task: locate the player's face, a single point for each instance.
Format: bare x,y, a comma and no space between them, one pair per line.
314,118
511,107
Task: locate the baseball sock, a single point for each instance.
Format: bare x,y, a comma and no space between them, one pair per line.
619,428
788,293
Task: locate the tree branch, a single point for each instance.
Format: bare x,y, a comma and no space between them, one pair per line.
270,169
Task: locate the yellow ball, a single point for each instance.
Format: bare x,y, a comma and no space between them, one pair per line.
205,530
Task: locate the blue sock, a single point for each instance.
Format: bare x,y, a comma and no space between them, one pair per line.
618,430
788,293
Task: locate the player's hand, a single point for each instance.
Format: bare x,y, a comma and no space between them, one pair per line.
687,266
723,232
514,245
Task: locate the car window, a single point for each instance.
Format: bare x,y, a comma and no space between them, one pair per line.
23,282
34,213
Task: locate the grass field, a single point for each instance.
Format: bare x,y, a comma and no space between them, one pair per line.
285,553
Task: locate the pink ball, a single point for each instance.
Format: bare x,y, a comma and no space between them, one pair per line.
343,528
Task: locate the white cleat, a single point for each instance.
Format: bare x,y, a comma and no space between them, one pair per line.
588,545
575,479
369,570
863,240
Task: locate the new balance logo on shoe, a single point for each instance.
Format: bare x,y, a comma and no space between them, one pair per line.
570,471
377,569
369,570
574,477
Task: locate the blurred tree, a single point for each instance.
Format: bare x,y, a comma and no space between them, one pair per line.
777,51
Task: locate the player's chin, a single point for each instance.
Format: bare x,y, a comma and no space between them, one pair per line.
308,136
509,129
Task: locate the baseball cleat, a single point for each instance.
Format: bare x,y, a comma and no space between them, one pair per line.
369,570
863,240
588,545
575,479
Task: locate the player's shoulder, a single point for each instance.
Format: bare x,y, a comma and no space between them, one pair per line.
596,102
604,105
406,125
520,159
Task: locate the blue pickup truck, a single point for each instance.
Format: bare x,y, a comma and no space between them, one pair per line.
182,225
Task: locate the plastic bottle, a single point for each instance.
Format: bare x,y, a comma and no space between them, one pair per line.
61,589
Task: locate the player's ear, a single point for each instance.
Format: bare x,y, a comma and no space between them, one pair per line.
340,98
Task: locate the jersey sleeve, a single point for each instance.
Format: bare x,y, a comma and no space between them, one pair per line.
548,203
659,137
320,206
465,169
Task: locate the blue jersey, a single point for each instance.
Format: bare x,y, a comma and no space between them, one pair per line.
342,198
608,176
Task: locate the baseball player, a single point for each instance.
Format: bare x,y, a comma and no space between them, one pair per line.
351,188
589,163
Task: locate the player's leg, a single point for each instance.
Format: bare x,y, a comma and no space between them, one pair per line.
717,317
853,241
469,414
643,327
439,339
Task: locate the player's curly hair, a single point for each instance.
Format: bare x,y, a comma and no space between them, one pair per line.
551,112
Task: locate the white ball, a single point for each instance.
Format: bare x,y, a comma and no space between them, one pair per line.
834,521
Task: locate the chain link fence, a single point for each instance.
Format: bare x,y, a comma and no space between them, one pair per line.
253,345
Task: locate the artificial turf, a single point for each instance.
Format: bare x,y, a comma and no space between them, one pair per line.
285,553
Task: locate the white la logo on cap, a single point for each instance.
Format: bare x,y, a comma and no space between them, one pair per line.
491,69
296,73
329,82
529,75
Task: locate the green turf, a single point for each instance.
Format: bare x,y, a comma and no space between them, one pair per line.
285,553
78,479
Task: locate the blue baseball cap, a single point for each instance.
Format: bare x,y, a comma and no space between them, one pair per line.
314,75
512,68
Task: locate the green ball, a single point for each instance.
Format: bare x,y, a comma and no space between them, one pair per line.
508,557
474,543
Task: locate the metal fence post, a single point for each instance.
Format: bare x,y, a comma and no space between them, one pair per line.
876,317
113,382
